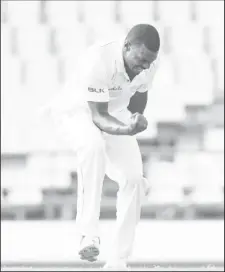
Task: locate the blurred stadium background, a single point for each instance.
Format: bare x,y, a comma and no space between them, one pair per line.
183,151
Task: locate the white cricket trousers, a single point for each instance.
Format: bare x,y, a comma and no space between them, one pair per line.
120,159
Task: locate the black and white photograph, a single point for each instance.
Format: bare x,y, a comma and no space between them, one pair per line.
112,135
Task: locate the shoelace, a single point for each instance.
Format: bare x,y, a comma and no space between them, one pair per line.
94,240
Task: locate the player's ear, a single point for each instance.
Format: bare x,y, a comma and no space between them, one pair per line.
127,45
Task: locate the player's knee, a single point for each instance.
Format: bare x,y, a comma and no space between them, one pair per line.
140,183
135,180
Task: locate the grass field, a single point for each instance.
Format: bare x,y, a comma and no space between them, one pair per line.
132,268
159,245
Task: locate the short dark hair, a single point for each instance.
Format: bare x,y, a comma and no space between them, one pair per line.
145,34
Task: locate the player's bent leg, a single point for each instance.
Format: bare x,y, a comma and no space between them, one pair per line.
125,156
129,200
128,215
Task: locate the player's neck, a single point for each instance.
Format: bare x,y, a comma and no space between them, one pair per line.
130,74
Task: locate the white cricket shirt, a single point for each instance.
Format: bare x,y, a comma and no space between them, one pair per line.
101,77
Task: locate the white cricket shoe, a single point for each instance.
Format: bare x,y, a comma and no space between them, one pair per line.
116,266
89,248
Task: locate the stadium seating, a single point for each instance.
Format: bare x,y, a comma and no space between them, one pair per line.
41,43
4,12
102,12
10,75
196,115
5,40
195,77
42,76
186,38
216,40
210,12
100,33
216,113
50,170
218,159
30,196
172,105
199,169
40,85
165,93
214,139
10,122
23,13
71,42
220,73
182,161
166,184
67,67
174,12
166,69
190,138
10,140
11,177
63,13
207,184
133,12
33,43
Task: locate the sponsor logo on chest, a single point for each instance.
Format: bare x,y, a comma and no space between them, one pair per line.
115,91
94,90
116,88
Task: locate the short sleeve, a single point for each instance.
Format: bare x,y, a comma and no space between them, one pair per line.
94,78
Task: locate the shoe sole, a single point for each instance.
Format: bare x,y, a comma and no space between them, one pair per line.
88,259
89,253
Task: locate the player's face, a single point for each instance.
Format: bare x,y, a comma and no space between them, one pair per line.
138,58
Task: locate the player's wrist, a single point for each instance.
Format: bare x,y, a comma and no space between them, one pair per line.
124,130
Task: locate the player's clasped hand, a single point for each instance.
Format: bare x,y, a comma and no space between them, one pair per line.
138,124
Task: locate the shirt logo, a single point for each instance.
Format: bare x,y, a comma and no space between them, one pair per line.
118,88
94,90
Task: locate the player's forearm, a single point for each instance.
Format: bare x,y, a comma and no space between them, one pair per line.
110,124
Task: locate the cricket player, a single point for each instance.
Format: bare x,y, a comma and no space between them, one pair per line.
100,117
